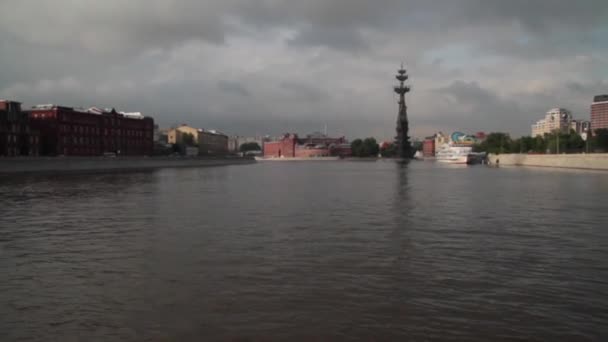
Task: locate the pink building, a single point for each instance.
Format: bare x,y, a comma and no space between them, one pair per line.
290,146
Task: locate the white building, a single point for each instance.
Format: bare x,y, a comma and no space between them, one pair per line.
580,126
555,119
440,140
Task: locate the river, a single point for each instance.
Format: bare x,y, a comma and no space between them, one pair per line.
306,251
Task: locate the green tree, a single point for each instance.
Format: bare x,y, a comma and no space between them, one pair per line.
496,143
600,139
526,144
250,146
356,146
539,144
575,142
570,142
516,146
370,147
365,148
388,151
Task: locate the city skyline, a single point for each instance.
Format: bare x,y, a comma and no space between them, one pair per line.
267,67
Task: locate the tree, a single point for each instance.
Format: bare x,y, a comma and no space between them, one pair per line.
370,147
496,143
356,146
388,151
600,139
526,144
575,142
568,142
365,148
539,144
250,146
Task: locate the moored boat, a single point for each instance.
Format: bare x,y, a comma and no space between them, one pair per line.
453,154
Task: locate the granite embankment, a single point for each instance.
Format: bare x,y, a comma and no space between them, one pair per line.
593,161
104,164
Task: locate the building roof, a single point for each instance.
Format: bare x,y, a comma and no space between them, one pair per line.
600,98
211,131
44,106
132,115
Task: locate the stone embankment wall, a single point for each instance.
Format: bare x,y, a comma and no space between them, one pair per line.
593,161
101,164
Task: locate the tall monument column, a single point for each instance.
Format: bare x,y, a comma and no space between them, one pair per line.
404,147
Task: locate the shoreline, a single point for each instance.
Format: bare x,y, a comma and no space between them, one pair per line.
592,161
35,165
288,159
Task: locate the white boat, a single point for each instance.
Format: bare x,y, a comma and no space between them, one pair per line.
453,154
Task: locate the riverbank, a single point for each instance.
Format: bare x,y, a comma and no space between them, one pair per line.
594,161
105,164
287,159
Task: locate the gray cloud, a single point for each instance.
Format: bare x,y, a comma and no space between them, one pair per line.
268,66
307,92
233,87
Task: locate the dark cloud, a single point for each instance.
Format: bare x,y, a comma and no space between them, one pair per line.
467,105
307,92
267,66
346,39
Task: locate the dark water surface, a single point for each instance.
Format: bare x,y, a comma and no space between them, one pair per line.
306,251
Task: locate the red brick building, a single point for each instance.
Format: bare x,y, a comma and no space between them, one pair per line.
316,145
428,147
599,112
93,132
16,136
283,148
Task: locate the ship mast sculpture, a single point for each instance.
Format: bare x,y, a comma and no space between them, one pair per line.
404,147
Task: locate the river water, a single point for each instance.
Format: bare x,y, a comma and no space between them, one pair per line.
306,251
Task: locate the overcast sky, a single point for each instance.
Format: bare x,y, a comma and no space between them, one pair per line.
271,66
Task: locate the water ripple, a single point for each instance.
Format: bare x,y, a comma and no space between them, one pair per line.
298,251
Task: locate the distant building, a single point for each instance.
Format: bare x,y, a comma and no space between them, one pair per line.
580,126
557,119
313,145
176,135
599,112
163,136
156,138
16,136
341,150
440,140
91,132
235,142
428,147
481,136
212,142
